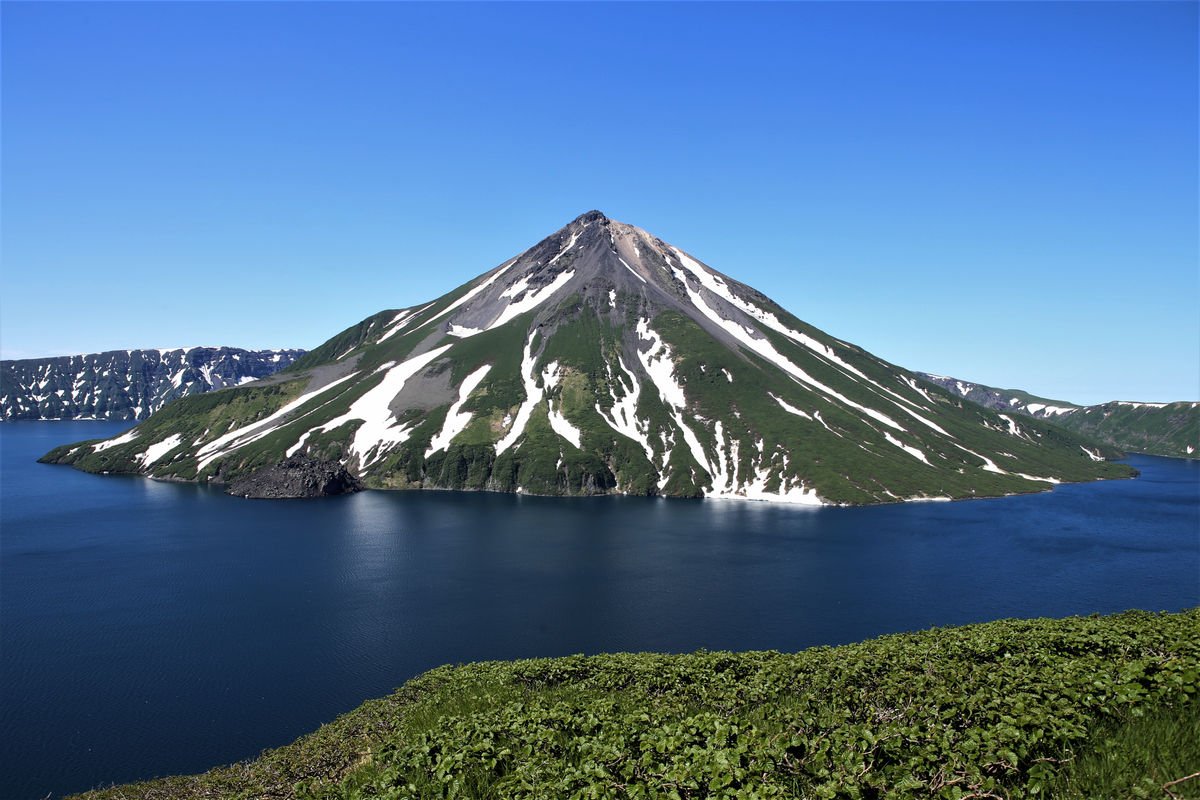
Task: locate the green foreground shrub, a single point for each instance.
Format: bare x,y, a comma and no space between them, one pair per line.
1152,756
1008,709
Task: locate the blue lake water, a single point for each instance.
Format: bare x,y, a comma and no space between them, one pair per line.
150,628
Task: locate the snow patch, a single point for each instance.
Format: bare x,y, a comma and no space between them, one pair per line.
379,432
532,299
533,395
631,270
398,323
718,286
912,451
1036,478
156,451
791,409
660,366
988,464
239,437
623,418
563,427
124,438
764,348
1050,411
817,416
299,445
456,421
518,287
791,492
570,244
1013,428
552,377
467,297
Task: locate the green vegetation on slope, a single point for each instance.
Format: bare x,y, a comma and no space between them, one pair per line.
716,418
1172,429
1161,429
1009,709
196,418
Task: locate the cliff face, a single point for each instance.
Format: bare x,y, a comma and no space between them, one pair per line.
126,384
296,477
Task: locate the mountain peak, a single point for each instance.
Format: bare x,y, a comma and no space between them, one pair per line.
603,359
591,216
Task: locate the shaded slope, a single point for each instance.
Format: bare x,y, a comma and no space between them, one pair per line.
605,360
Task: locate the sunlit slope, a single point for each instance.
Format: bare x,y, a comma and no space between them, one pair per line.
1165,429
605,360
1161,429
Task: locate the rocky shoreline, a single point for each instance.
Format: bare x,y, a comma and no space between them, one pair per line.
296,477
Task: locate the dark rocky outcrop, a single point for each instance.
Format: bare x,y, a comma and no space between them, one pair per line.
296,477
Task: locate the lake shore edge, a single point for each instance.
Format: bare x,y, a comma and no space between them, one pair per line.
985,707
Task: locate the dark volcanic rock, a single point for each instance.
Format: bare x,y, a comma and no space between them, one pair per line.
296,477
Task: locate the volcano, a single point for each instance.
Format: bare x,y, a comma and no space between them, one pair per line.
601,360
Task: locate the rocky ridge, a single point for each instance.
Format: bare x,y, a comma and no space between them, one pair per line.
127,384
1160,429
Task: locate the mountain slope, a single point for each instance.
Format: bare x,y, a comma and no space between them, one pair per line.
603,360
1161,429
1002,399
126,384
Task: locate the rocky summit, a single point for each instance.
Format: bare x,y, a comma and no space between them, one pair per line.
603,360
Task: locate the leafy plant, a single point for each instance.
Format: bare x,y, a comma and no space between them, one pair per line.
1009,709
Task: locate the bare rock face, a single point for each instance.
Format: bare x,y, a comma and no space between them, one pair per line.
127,384
296,477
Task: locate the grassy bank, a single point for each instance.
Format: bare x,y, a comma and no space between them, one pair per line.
1012,709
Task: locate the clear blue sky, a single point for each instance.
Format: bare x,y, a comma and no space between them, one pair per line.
1002,192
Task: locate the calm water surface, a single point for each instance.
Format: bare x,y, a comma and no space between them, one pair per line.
149,628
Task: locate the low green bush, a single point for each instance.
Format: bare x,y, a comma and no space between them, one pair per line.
997,710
